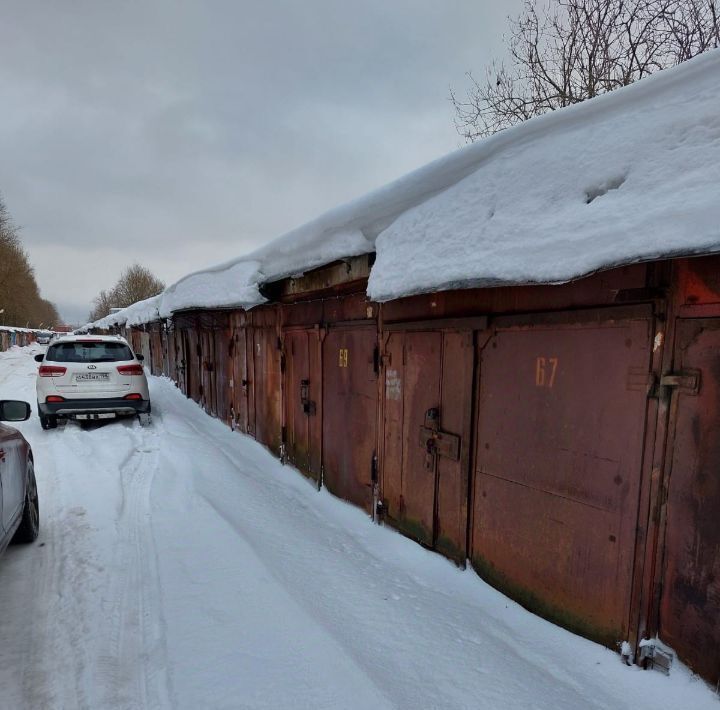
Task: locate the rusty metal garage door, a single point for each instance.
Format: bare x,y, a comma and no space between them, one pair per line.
265,399
241,345
690,607
561,420
193,363
146,350
303,399
156,349
207,370
223,368
426,435
350,366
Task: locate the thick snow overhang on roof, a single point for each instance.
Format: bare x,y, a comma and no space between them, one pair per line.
138,313
629,176
626,177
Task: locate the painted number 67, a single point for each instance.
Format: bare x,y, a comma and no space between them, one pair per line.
545,369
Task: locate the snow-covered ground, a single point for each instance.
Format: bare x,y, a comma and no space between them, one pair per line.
181,566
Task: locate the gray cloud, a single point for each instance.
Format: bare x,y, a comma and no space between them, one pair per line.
184,133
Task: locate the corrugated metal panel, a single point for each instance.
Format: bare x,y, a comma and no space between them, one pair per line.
561,420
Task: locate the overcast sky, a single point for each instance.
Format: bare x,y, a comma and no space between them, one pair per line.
181,134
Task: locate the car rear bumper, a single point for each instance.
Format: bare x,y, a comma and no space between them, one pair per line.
72,407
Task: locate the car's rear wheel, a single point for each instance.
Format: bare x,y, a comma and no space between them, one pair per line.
30,523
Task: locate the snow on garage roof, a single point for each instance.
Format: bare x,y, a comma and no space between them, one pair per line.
141,312
628,176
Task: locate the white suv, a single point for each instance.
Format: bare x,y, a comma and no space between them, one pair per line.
90,377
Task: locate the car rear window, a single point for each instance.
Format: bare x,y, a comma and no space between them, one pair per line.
89,352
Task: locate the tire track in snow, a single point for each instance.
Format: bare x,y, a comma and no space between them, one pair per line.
132,660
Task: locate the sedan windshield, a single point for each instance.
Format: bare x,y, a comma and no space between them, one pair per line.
89,352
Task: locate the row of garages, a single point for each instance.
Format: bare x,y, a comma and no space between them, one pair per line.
563,439
16,336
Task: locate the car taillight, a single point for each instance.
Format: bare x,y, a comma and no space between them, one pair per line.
54,398
130,369
134,395
51,371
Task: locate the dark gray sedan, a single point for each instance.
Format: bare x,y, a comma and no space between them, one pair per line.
19,510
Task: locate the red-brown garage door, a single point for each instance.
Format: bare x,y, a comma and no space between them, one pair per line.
559,448
426,435
303,399
690,608
350,362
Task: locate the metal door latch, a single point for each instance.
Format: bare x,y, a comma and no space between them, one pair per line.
307,404
687,381
437,442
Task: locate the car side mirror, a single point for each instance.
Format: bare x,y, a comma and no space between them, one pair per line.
139,357
12,410
39,357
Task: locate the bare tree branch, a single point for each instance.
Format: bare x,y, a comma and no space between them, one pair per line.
561,52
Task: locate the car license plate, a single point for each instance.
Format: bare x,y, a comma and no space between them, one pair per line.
100,415
93,377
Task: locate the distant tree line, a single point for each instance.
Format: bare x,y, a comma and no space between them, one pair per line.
20,301
561,52
136,283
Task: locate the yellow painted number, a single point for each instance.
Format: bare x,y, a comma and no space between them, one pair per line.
343,360
545,369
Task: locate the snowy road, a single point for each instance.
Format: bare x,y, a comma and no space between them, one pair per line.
181,566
